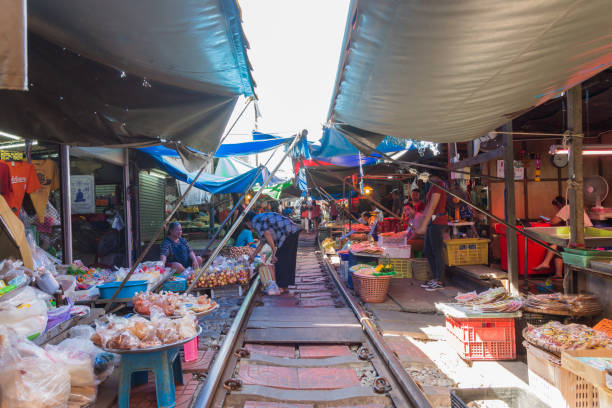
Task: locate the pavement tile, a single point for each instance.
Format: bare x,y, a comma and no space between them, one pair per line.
270,350
201,364
406,351
323,351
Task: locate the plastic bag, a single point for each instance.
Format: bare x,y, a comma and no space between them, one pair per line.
25,311
29,377
103,362
74,357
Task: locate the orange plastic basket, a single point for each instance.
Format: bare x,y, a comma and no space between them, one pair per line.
605,325
482,339
373,289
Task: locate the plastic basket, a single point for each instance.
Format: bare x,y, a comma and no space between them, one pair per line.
373,289
482,339
402,251
466,251
513,397
178,285
583,258
127,291
401,266
355,283
605,325
420,269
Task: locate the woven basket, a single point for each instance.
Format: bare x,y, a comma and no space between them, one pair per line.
421,270
373,289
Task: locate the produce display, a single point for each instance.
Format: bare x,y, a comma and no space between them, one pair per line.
152,272
556,337
237,252
171,304
137,332
358,227
328,245
494,300
89,277
557,303
367,248
224,271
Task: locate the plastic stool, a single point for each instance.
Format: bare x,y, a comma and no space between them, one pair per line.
142,377
190,350
163,367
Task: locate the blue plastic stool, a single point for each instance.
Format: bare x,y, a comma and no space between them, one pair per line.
161,363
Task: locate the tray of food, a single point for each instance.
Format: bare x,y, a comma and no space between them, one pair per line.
173,305
556,337
136,334
563,305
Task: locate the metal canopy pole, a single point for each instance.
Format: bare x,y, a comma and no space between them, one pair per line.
576,196
66,204
244,213
127,205
510,210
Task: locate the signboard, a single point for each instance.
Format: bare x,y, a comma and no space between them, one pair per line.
82,194
519,170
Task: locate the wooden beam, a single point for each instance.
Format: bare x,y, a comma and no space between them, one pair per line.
510,210
576,176
479,158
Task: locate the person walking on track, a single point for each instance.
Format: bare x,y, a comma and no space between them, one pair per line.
281,234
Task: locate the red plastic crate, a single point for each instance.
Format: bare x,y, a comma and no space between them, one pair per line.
482,339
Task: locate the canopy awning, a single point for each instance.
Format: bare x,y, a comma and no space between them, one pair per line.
449,71
121,73
247,148
170,161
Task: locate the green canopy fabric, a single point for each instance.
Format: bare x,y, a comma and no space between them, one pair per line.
276,190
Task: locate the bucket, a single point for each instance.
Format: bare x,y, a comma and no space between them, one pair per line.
190,350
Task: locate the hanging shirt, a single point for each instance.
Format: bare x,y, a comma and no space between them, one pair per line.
5,180
48,176
23,180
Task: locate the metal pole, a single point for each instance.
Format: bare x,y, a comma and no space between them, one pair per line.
510,210
206,395
66,206
526,263
244,213
127,205
576,182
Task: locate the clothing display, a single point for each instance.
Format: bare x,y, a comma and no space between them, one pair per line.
48,176
5,179
23,180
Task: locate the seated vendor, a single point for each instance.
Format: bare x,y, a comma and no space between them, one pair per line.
562,217
175,251
245,236
414,219
365,218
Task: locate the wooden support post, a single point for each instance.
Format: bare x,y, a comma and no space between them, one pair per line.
510,210
576,196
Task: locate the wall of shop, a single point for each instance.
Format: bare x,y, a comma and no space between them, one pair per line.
533,198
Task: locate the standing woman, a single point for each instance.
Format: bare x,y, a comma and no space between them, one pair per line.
434,222
282,235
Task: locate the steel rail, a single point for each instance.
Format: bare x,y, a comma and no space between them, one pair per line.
406,383
207,394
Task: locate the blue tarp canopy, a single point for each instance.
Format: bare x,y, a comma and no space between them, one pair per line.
254,147
171,163
450,71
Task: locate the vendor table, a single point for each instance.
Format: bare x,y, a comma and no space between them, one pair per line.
561,236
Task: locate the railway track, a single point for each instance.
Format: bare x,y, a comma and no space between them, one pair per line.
315,348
